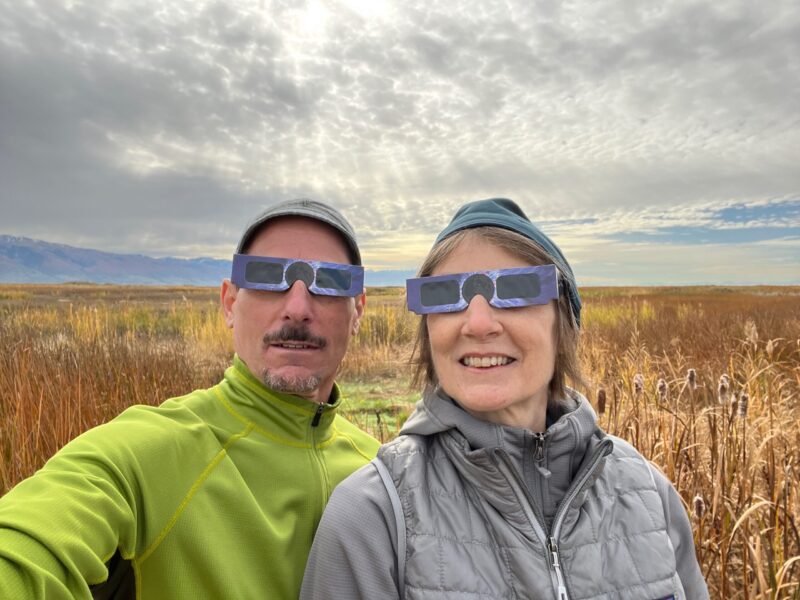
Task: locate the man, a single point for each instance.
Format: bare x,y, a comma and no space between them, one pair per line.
216,494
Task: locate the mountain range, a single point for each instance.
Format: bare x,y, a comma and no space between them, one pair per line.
25,260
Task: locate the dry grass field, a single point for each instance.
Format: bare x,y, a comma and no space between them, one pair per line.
704,381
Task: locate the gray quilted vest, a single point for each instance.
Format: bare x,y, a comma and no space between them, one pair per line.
469,530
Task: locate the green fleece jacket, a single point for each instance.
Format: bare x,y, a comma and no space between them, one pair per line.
216,494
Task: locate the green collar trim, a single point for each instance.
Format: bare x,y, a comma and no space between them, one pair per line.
279,416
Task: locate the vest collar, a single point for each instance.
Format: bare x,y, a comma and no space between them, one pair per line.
571,437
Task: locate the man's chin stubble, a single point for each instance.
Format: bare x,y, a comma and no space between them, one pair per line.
291,385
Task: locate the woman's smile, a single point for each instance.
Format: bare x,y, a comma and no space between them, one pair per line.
485,362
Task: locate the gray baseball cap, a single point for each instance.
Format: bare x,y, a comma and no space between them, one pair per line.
312,209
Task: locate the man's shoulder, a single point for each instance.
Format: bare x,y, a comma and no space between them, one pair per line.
144,433
365,442
174,413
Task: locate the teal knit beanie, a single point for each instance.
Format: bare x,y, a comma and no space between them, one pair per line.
504,213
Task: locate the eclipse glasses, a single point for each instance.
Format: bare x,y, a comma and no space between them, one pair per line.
279,274
502,288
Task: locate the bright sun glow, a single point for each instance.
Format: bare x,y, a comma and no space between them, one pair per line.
369,9
313,19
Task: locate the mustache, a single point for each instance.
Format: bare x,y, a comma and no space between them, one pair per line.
295,333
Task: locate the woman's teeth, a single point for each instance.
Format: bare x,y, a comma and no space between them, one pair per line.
485,361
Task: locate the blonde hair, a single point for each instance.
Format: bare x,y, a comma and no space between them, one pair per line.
567,365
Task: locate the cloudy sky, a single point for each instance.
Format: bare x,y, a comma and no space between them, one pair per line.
656,142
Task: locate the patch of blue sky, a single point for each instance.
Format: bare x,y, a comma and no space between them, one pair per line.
776,211
708,235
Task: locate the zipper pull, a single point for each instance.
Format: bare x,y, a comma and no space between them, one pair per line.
317,415
562,588
538,455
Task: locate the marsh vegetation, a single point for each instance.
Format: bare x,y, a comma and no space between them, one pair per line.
704,381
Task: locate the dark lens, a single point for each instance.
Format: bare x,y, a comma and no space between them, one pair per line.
439,293
334,279
478,284
522,285
299,271
263,272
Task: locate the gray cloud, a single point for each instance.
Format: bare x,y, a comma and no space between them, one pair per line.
162,127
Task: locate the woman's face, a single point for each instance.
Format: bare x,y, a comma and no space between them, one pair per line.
519,344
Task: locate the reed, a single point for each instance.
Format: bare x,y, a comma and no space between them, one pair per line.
704,381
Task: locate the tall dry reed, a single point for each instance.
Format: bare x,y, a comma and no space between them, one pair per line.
704,381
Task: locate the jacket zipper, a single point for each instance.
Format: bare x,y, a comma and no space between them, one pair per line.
538,447
323,475
318,415
551,541
603,450
529,507
562,588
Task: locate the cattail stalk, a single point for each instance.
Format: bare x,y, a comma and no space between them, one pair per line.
691,379
723,389
663,390
638,384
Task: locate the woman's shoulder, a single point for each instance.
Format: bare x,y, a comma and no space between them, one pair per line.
410,452
405,443
623,448
362,499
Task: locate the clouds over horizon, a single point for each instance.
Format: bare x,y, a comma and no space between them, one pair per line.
161,128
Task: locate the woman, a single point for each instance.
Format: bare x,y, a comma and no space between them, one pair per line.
501,484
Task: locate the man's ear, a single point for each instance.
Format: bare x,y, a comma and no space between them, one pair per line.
361,302
227,297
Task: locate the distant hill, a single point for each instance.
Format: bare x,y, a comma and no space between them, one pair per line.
24,260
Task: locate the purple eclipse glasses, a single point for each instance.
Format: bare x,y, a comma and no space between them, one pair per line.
279,274
502,288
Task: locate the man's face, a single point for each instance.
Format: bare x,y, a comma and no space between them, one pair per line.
293,341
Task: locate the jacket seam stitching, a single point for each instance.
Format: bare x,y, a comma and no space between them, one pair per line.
270,436
192,491
635,566
604,592
471,541
625,538
509,573
647,510
620,493
456,590
440,544
349,440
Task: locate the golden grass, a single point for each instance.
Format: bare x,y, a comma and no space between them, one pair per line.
73,356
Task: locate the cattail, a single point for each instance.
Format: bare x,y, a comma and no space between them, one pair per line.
691,379
744,398
661,386
699,506
638,384
751,332
601,401
723,388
